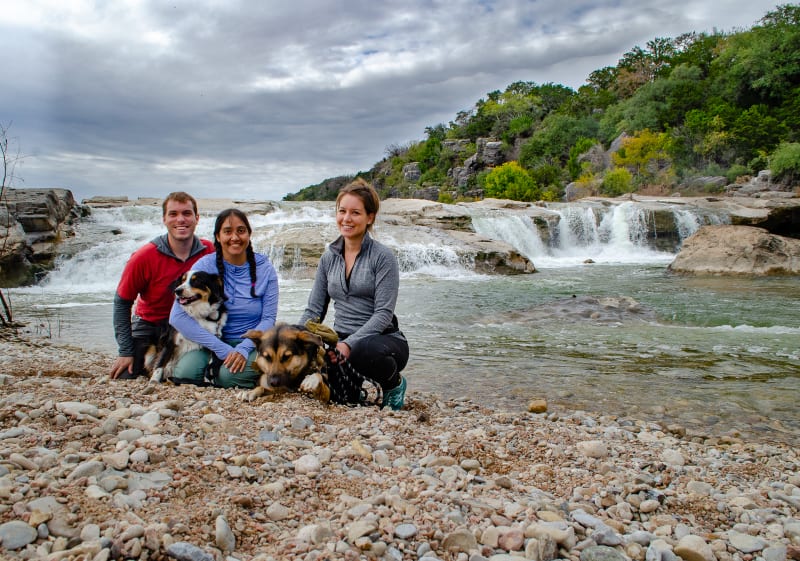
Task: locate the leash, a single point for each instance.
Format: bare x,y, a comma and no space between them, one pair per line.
348,386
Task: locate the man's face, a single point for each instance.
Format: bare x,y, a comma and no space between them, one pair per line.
180,220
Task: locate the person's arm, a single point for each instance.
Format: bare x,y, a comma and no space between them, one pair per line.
191,329
269,307
121,317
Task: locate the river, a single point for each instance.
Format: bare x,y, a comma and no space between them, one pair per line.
715,355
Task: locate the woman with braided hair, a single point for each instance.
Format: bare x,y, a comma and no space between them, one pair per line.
251,290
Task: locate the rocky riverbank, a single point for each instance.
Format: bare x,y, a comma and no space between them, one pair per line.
94,469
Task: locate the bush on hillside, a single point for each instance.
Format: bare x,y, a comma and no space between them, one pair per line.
785,164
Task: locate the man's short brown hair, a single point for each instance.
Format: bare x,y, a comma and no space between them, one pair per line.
180,197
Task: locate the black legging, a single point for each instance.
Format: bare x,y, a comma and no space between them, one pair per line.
381,358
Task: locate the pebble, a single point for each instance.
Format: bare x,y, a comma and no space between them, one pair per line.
98,469
16,534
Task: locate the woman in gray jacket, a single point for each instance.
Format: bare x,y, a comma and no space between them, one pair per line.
362,278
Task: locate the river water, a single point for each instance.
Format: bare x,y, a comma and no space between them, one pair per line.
716,355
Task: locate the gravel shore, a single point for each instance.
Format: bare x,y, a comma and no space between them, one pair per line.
95,469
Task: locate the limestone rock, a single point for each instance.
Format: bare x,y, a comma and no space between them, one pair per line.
737,250
34,221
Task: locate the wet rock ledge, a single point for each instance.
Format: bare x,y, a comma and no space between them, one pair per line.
32,224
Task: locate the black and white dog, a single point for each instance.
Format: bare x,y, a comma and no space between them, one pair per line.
202,296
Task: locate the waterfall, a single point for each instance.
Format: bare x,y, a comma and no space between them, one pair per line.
577,227
625,227
622,233
560,235
517,230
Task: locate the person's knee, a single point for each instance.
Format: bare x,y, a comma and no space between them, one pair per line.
191,367
247,378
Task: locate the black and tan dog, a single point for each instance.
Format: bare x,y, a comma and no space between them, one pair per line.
290,358
202,296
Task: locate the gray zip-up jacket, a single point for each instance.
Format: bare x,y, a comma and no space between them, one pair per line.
365,306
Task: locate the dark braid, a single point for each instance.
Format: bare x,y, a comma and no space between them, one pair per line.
251,256
220,260
251,259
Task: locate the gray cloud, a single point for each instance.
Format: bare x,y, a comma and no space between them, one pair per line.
257,99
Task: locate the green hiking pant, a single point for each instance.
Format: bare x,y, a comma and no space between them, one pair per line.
192,366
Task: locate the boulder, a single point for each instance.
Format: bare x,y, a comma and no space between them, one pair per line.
34,223
737,250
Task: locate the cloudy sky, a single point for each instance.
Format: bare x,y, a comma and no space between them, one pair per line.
253,99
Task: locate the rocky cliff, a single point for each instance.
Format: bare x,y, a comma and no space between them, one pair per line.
32,224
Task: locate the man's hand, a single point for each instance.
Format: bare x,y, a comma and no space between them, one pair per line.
121,364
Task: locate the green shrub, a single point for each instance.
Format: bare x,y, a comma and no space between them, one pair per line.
617,182
785,164
736,171
510,181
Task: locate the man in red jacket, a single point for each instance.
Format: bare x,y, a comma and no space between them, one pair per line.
148,281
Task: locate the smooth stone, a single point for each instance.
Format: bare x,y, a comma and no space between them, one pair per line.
183,551
86,469
593,449
77,408
694,548
360,528
130,435
460,540
223,535
213,419
405,531
745,542
601,553
306,464
17,534
117,460
314,534
140,456
673,457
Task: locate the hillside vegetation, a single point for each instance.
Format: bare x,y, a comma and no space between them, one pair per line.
725,104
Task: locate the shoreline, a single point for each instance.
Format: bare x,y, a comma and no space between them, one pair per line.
112,468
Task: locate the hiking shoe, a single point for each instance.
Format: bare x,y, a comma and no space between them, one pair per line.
395,397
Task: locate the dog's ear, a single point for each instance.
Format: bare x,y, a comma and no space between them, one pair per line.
309,338
255,335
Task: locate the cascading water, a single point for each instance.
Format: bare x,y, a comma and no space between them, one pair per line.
579,233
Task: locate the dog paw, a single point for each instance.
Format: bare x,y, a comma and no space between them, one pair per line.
157,377
311,383
246,395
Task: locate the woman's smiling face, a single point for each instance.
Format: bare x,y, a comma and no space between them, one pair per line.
352,218
234,237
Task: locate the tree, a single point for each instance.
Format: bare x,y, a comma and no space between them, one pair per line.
646,155
11,156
